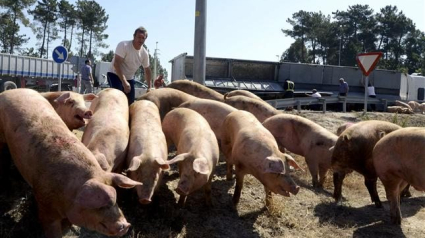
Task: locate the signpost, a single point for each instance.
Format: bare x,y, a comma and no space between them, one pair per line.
60,55
367,63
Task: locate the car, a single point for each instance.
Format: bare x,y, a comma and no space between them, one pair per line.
64,87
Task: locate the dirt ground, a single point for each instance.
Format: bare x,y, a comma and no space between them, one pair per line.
311,213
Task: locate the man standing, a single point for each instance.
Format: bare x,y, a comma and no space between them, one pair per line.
343,87
289,87
129,56
86,78
159,82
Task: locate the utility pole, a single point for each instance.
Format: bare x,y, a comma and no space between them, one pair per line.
199,55
155,59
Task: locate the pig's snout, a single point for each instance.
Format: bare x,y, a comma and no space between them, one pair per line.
88,114
295,189
122,229
145,201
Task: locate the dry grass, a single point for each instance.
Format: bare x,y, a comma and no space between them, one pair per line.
311,213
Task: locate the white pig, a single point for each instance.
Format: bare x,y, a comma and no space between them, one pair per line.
197,151
253,150
107,133
399,160
69,185
147,151
71,107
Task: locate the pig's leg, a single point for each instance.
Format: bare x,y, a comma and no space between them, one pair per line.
207,191
371,187
182,200
338,178
392,189
269,197
229,167
239,184
406,193
313,167
322,175
52,227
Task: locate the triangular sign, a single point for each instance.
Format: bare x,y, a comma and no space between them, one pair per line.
368,61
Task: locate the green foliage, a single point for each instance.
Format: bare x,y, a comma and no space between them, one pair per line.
356,30
403,122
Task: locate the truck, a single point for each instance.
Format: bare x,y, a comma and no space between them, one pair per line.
24,71
266,78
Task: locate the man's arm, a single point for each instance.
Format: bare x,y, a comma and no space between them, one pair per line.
91,75
148,74
118,61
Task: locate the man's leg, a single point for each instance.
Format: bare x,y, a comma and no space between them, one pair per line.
114,81
83,87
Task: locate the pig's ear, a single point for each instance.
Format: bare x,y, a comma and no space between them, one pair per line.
134,164
273,165
200,165
346,138
94,195
162,163
178,158
291,161
122,181
89,96
381,134
63,97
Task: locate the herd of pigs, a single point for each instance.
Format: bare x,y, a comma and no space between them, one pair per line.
127,146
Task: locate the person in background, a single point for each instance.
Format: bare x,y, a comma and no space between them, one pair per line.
129,56
315,94
371,94
159,82
343,87
289,87
86,78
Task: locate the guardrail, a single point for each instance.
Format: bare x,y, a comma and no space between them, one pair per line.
298,102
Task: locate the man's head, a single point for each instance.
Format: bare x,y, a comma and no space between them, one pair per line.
341,80
139,37
87,62
314,91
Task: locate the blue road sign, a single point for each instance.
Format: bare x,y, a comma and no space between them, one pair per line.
60,54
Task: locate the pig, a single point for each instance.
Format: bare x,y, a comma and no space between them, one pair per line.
251,148
399,160
213,111
402,104
147,150
353,151
240,92
400,109
196,89
259,108
343,127
107,133
306,138
197,151
166,99
68,184
71,107
417,107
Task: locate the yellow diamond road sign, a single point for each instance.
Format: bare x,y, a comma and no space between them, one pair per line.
368,61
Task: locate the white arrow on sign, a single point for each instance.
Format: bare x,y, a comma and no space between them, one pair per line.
60,55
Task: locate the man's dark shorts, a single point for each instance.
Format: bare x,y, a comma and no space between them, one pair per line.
115,82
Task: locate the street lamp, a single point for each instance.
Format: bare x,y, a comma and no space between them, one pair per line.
278,58
339,54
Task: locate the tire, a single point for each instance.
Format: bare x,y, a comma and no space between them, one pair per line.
8,85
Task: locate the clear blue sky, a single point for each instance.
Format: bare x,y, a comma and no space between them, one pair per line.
240,29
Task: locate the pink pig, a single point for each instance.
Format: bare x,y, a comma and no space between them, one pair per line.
107,133
147,152
69,185
253,150
71,107
197,151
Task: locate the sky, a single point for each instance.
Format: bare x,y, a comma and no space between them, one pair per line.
238,29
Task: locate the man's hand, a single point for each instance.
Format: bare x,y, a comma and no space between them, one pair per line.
126,86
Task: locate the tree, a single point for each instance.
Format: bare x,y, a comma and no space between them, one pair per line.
295,53
300,28
92,19
15,9
46,14
108,56
68,18
7,29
